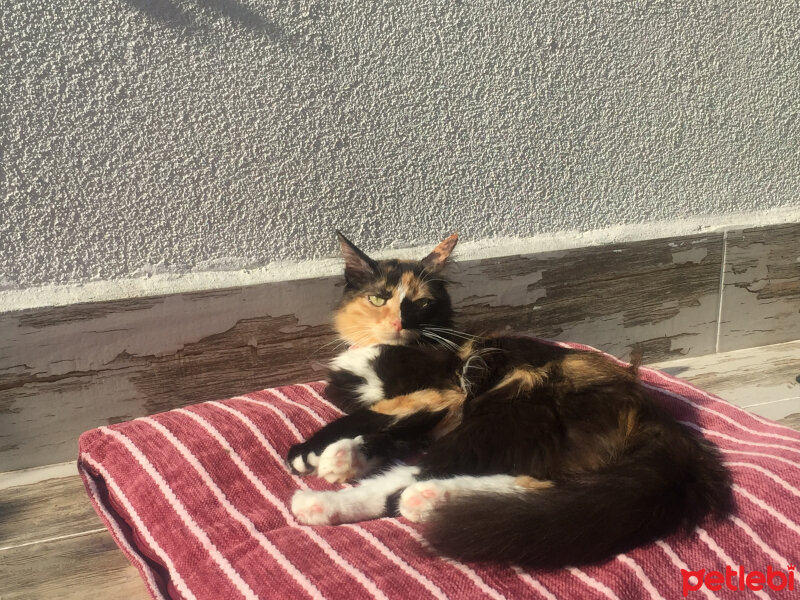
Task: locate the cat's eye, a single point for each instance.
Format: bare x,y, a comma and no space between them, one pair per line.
376,300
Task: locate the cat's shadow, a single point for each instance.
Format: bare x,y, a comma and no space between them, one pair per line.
674,371
183,15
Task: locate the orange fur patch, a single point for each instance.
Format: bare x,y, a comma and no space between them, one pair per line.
530,483
466,349
583,370
525,378
363,324
415,288
430,399
628,421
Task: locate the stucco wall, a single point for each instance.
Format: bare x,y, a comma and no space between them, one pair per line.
200,134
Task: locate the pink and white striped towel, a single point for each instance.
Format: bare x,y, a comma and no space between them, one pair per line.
197,498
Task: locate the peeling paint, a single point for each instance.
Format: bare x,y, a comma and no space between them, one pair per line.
761,289
695,255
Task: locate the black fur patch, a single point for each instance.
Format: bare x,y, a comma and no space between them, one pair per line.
406,369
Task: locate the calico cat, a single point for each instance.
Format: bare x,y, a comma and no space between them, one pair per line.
530,453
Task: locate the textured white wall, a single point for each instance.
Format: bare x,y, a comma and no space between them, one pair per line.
200,134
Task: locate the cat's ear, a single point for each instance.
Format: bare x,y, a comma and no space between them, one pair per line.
358,266
436,259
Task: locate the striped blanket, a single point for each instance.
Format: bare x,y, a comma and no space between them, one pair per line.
197,498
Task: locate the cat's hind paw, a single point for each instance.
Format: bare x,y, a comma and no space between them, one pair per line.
419,500
315,508
343,460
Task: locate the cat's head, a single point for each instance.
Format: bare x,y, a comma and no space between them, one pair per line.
394,301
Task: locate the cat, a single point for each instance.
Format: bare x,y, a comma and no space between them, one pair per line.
528,452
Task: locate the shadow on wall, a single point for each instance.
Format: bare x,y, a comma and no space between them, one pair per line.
175,13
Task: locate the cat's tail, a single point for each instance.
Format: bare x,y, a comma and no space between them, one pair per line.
655,491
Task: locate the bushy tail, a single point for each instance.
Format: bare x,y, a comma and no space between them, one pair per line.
591,518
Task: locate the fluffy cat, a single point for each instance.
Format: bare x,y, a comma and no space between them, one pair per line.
530,453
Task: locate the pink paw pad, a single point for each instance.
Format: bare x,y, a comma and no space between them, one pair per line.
418,501
341,457
312,509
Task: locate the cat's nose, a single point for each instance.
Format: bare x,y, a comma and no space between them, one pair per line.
397,325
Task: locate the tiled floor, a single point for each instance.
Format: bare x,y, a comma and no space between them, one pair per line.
52,545
764,380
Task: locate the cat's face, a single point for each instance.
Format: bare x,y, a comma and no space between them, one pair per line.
393,301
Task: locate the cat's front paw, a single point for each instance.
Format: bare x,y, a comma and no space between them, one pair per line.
302,459
315,508
343,460
419,500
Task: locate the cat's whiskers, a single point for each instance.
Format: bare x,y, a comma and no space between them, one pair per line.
430,280
466,384
366,335
443,342
439,342
336,341
339,341
427,277
362,335
455,332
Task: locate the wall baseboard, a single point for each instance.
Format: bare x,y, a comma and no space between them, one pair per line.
69,368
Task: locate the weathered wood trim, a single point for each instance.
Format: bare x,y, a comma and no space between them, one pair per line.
67,369
659,295
64,370
761,287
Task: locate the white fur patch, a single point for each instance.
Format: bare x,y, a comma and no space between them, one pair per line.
351,505
299,464
359,362
307,466
400,291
